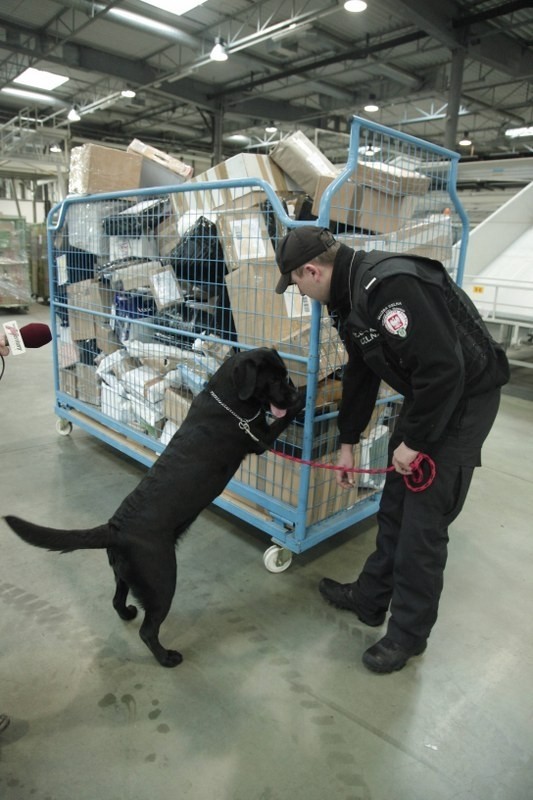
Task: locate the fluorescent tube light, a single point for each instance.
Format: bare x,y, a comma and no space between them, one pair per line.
517,133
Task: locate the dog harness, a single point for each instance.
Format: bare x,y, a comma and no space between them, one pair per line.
244,424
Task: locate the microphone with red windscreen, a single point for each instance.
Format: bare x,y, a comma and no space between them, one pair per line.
35,334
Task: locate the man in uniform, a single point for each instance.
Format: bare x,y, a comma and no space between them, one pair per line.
404,321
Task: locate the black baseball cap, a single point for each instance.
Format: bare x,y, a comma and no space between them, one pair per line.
299,246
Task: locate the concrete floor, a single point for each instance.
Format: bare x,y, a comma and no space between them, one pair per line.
272,701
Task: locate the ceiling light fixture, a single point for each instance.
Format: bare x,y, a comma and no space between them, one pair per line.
368,150
355,6
73,115
176,7
40,79
466,140
219,52
371,106
518,133
271,128
55,148
128,93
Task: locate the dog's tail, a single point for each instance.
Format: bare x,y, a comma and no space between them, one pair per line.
64,541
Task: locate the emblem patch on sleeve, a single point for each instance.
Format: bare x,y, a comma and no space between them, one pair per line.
395,320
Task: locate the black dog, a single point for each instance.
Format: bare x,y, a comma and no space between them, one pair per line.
226,421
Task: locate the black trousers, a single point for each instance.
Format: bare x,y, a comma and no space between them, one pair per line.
406,569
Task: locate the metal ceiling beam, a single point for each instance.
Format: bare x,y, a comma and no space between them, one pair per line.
439,19
434,17
346,55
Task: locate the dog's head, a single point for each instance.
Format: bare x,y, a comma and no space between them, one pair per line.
261,376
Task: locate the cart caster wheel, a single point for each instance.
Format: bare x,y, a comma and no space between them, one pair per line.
63,427
277,559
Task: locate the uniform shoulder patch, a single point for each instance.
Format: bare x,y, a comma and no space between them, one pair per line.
394,319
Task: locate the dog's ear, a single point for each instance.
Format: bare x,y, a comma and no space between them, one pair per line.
245,376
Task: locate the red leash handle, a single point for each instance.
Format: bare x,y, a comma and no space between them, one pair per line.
423,474
423,466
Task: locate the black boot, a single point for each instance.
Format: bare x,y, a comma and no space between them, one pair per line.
341,595
388,656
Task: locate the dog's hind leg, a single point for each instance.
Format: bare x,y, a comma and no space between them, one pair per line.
118,564
149,633
154,588
119,600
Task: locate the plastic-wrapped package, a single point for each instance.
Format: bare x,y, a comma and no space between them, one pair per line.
15,289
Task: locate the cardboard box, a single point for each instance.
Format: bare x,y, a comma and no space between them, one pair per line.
324,441
248,471
280,479
101,296
363,207
242,165
133,276
87,384
68,381
254,165
168,234
332,354
176,405
244,238
94,168
426,238
106,339
390,179
82,325
193,201
432,239
302,161
158,168
262,317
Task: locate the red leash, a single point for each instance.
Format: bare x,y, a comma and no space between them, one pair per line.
423,475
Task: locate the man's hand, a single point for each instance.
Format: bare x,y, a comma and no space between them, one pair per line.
4,349
345,459
402,458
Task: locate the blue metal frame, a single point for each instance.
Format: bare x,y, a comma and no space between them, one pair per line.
287,526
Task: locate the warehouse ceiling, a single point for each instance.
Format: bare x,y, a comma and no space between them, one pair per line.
437,70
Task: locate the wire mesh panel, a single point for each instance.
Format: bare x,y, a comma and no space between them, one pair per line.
152,290
396,193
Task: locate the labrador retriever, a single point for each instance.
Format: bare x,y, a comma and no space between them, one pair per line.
226,421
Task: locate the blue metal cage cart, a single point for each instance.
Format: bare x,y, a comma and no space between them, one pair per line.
150,290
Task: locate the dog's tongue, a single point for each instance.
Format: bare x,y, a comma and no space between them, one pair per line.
277,412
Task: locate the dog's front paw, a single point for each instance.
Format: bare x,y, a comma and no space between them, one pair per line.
170,658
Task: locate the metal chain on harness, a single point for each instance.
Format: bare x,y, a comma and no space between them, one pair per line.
244,424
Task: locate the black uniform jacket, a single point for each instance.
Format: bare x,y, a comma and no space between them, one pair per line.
412,343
